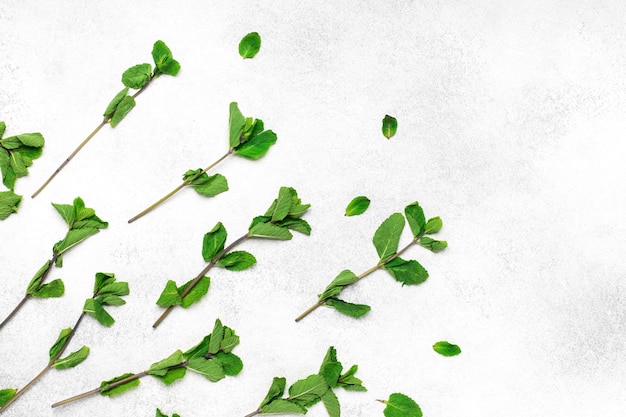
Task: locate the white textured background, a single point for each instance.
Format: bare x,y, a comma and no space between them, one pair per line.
511,128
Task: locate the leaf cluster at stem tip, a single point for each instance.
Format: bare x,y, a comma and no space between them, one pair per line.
386,240
309,391
17,153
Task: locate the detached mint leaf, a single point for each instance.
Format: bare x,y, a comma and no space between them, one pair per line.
349,309
400,405
387,236
7,393
407,272
123,108
249,45
113,104
446,349
237,261
390,125
213,242
208,186
357,206
258,146
73,359
9,203
107,391
137,76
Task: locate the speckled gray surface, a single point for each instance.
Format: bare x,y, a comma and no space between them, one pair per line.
511,128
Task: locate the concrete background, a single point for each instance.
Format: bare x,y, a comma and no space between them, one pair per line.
511,128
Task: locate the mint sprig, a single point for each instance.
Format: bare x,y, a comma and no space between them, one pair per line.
283,216
211,358
138,78
105,287
307,392
82,223
386,241
247,138
17,153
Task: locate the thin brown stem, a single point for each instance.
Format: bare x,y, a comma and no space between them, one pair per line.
180,187
254,413
199,277
363,275
69,158
25,388
99,389
27,296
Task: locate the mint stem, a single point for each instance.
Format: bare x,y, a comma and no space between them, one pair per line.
199,277
257,412
180,187
27,297
363,275
69,158
47,368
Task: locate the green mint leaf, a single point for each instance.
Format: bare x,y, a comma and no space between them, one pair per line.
67,213
73,238
349,382
357,206
280,406
229,343
17,154
137,76
115,288
196,293
9,203
113,104
349,309
331,403
123,108
415,217
200,349
387,236
211,369
53,289
171,375
345,278
213,242
253,130
94,309
163,59
331,368
32,140
35,283
295,224
432,244
111,300
7,393
73,359
283,204
277,389
390,125
236,123
433,226
102,279
217,335
3,127
160,367
446,349
237,261
110,392
269,231
170,295
249,45
60,342
160,414
406,272
230,362
258,146
308,390
400,405
208,186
